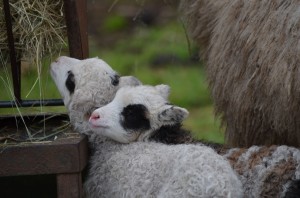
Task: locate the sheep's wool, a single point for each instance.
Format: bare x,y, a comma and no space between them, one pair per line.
142,169
252,53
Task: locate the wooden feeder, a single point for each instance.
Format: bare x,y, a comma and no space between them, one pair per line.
61,161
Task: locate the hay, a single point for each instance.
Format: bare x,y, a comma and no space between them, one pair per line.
44,128
39,32
38,27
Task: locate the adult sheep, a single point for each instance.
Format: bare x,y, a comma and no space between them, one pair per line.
139,169
252,64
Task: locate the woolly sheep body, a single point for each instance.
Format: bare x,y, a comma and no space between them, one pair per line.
119,170
199,19
149,169
266,171
252,56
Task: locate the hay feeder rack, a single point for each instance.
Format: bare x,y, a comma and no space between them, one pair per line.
62,161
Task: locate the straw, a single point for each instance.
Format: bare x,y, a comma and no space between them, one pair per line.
38,27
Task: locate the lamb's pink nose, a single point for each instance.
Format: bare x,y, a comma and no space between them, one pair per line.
95,116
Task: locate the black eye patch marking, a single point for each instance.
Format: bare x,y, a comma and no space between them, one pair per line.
115,80
70,82
135,117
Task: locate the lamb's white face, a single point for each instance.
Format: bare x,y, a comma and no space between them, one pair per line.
135,113
86,85
70,74
61,73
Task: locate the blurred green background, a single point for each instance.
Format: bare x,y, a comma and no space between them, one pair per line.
145,39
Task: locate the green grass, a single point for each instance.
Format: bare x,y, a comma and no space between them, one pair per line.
114,23
135,56
203,125
33,86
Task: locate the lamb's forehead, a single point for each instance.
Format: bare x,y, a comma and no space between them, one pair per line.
142,94
94,74
92,65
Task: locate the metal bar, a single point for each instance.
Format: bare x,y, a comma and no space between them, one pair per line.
14,60
32,103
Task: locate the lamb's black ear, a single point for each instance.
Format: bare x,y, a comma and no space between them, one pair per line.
170,115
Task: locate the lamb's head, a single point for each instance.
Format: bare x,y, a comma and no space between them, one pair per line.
136,113
86,85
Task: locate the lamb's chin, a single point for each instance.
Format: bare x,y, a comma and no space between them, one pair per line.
98,127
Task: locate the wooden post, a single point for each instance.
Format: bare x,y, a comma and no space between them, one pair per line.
69,185
76,21
14,59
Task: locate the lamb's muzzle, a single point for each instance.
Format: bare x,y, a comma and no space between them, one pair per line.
94,117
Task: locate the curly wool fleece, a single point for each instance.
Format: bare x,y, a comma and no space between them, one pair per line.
252,62
152,169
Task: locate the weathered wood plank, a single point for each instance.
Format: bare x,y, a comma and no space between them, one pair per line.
76,21
67,155
69,185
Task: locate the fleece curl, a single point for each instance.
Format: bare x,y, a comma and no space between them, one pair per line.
152,169
265,171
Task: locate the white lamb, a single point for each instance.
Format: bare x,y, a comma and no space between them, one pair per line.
91,83
142,113
137,114
138,169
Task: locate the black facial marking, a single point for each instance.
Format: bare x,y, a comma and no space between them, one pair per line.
135,117
172,134
115,80
70,82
